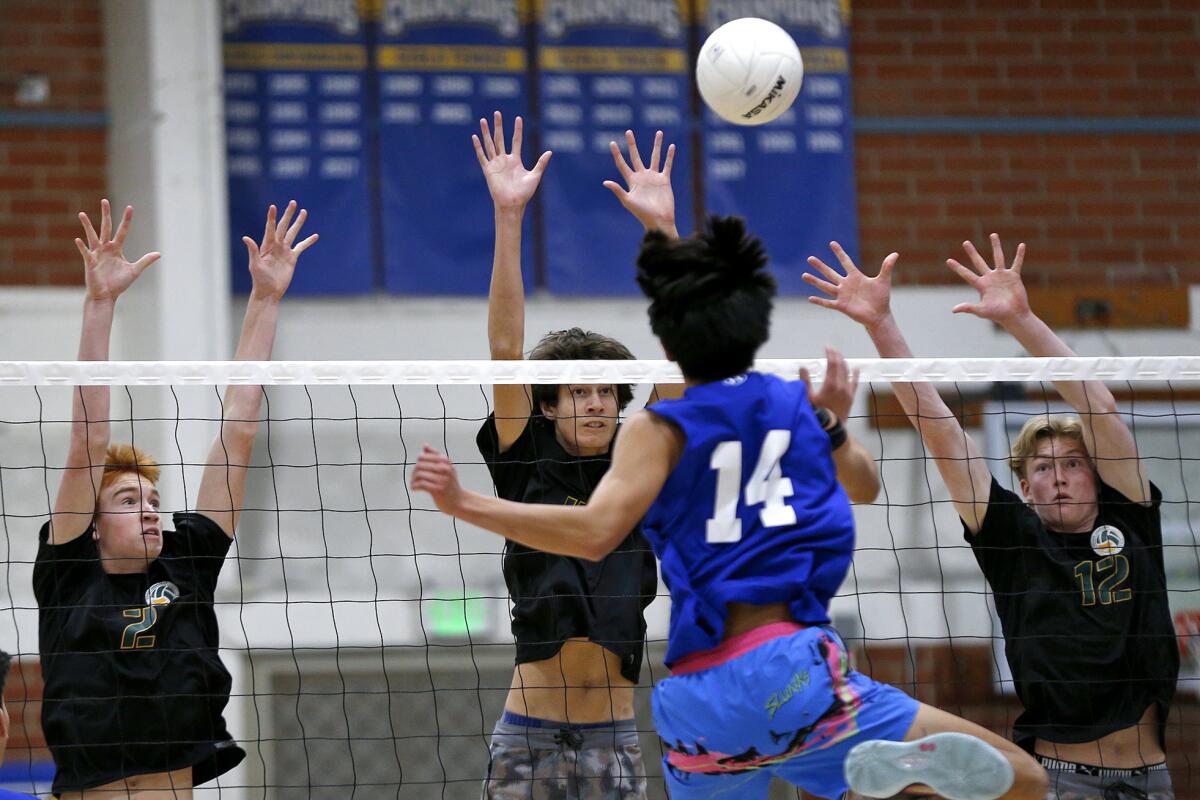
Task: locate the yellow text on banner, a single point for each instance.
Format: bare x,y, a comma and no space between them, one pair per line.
457,58
251,55
613,59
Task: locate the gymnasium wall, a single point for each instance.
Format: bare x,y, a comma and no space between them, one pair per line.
53,156
1068,123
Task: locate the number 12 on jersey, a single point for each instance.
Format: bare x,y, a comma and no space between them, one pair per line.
767,486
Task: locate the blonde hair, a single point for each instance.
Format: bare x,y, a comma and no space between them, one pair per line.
122,459
1038,428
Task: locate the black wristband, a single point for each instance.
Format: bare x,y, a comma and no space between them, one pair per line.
832,426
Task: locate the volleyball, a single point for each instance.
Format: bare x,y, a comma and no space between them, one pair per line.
749,71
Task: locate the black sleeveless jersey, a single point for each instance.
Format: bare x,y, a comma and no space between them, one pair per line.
555,597
133,680
1087,629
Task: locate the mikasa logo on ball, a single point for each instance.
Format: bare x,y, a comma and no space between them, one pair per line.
776,90
1107,541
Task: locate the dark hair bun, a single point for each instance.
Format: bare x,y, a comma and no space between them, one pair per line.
714,263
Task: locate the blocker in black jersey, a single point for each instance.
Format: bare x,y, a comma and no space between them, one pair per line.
1087,628
133,680
555,597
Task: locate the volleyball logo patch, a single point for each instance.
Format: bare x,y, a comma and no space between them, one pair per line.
736,380
162,593
1107,541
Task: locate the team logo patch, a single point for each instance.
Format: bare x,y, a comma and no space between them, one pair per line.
736,380
162,593
1107,541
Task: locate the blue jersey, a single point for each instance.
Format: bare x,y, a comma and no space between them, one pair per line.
752,513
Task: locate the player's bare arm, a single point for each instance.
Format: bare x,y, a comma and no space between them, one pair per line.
107,274
650,198
856,468
1004,301
643,458
867,301
511,186
272,264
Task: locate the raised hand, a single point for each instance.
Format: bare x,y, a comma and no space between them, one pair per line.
434,473
649,197
837,391
510,184
1002,296
106,271
273,262
865,300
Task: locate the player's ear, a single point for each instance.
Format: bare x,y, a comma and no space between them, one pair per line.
3,724
1025,489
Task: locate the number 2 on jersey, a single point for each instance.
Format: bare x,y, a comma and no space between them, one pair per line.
767,486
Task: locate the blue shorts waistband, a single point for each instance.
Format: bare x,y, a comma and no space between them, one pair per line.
512,718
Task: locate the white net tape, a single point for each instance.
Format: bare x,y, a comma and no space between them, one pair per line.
208,373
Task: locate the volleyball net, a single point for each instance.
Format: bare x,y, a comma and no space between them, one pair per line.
368,635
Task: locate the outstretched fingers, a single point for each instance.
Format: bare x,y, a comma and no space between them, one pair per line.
670,160
997,251
123,228
1019,258
619,160
635,158
284,221
489,144
305,244
518,136
269,227
977,261
656,151
889,263
542,163
843,258
967,275
829,272
89,231
824,286
140,265
294,230
498,133
105,221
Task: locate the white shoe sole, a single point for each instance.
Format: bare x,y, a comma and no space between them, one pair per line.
956,766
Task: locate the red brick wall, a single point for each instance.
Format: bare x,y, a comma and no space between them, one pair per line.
1111,208
49,174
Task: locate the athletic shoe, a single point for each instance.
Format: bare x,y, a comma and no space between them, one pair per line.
956,766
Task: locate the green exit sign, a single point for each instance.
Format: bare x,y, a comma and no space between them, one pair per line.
455,616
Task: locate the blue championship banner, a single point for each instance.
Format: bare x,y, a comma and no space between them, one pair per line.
295,97
441,67
792,178
607,67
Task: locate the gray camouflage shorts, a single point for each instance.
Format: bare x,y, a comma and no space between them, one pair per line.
567,763
1069,781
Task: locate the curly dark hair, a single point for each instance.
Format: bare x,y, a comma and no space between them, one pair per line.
576,344
710,297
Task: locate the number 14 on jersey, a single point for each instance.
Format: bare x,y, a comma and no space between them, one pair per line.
767,487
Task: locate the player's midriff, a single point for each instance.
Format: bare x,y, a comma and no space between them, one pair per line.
178,783
581,684
743,617
1129,748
